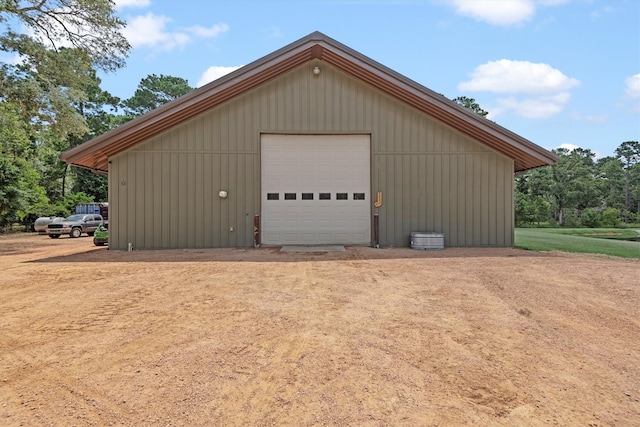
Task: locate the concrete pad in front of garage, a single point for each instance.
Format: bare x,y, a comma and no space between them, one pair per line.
332,248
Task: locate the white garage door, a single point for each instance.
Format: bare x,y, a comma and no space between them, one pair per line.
315,189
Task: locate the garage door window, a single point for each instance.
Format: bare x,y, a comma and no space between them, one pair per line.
358,196
289,196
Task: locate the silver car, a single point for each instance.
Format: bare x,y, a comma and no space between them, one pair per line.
41,223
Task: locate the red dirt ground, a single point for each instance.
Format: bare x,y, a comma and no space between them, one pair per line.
367,337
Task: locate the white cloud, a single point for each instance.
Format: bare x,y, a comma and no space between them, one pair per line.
506,76
591,118
502,12
633,86
552,2
538,91
210,32
505,13
632,92
215,72
121,4
541,107
150,31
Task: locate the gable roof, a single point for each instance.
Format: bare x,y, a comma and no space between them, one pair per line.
94,154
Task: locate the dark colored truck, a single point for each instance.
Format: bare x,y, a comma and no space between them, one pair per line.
75,225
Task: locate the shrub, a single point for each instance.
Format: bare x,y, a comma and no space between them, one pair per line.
610,217
590,218
570,218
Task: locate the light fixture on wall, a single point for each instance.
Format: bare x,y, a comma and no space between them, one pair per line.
316,70
222,194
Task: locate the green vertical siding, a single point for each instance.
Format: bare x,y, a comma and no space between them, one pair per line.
432,177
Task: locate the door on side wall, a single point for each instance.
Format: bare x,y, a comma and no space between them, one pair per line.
315,189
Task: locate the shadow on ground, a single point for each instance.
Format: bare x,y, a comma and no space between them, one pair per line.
273,254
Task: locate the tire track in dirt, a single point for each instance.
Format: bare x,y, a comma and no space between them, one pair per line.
366,337
57,393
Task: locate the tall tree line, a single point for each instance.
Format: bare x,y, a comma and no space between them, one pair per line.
579,190
51,101
45,93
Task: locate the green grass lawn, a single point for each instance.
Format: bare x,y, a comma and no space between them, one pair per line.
606,241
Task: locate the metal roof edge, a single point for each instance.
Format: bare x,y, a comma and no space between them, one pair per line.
317,46
443,102
191,97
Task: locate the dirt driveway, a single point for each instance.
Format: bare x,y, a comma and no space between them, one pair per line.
366,337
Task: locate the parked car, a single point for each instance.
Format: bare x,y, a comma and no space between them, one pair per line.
40,225
75,225
101,235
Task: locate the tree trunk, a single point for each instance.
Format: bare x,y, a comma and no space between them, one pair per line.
627,191
64,179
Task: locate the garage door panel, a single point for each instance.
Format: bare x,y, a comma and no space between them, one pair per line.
326,169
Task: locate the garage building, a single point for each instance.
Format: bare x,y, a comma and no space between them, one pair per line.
312,144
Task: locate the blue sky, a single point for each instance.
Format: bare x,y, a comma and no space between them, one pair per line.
558,72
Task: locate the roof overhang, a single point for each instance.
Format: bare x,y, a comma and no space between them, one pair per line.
95,153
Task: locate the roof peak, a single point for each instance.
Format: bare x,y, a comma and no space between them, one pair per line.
315,46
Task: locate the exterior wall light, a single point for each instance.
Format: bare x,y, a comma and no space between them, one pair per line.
222,194
316,71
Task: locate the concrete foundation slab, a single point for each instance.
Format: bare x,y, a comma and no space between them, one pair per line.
333,248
